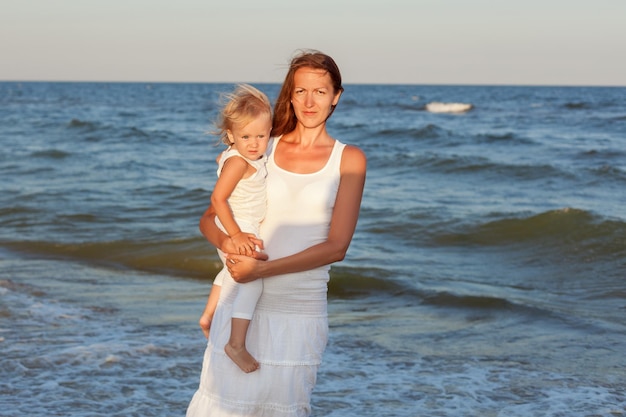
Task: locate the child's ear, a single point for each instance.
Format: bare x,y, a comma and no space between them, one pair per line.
231,138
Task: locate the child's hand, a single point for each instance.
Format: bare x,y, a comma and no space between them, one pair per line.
244,243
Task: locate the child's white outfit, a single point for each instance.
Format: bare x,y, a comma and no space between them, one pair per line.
248,202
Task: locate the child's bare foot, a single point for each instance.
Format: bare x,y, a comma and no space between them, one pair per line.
242,358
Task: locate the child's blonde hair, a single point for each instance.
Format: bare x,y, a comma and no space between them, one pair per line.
242,106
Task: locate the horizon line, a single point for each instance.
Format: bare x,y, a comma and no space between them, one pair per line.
467,84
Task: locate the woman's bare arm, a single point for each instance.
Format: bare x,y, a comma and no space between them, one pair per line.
212,233
219,239
342,227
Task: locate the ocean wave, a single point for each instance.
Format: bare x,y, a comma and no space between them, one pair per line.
448,299
99,131
409,107
195,258
602,154
354,282
439,107
455,163
567,233
566,230
608,172
592,104
463,165
505,138
452,138
364,282
578,105
180,257
429,131
9,215
83,124
473,164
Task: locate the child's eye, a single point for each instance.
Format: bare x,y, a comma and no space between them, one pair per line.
245,137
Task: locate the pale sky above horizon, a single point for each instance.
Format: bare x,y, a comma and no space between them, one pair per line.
522,42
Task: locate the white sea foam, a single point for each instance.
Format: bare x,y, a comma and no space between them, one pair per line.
439,107
456,387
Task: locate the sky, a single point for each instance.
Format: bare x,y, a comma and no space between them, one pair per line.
485,42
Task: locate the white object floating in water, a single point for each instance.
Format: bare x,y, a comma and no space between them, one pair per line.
438,107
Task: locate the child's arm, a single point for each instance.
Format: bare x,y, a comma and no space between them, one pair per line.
221,240
233,171
207,315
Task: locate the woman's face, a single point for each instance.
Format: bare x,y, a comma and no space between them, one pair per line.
313,96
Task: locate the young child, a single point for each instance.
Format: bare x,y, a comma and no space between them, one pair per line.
239,200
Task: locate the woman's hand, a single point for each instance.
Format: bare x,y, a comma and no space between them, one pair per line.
245,268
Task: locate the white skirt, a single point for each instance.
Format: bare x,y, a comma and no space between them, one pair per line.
287,336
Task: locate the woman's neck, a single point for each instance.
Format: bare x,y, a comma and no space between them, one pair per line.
303,154
309,137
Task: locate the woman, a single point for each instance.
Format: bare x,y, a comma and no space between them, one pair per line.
314,189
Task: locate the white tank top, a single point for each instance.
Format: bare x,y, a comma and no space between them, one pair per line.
299,206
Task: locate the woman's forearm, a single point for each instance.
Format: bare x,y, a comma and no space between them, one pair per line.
245,269
314,257
209,229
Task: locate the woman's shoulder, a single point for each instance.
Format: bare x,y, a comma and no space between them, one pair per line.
353,152
353,158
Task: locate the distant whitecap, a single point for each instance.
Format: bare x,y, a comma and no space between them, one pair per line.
438,107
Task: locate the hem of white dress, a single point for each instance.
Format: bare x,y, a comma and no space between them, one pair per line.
245,407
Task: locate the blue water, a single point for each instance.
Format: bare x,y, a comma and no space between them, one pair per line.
486,276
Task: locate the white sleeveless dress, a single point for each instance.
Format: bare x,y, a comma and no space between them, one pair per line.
289,329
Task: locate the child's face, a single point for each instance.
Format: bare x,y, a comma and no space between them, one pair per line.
251,139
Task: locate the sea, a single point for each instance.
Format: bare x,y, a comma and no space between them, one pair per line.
486,277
